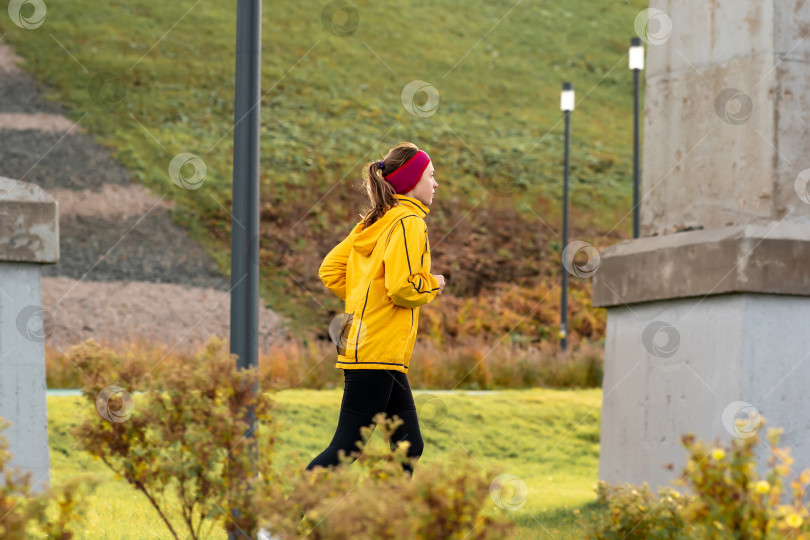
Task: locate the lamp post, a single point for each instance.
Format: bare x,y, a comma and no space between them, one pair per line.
636,65
566,105
245,223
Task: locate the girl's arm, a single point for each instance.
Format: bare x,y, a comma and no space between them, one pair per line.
409,281
333,268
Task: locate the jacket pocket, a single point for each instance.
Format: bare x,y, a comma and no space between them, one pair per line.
408,330
343,336
352,334
397,329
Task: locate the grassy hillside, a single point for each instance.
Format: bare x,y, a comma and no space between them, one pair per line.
549,438
153,79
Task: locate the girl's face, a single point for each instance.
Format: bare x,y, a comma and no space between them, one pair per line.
423,190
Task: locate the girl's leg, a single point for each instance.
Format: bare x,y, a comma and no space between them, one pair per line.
365,393
401,404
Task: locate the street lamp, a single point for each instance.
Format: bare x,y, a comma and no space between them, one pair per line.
566,105
636,65
245,222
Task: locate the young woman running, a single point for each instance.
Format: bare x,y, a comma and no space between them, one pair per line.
382,271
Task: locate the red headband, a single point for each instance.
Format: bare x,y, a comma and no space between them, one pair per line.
408,174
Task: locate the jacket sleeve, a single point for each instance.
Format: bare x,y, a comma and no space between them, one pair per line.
408,281
333,268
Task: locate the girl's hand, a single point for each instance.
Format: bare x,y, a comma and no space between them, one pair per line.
440,279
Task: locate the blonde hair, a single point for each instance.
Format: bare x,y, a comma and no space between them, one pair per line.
380,192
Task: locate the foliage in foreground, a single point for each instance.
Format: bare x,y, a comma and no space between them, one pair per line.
728,499
182,446
21,512
183,443
377,499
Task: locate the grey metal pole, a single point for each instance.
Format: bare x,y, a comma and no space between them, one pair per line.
245,222
564,298
636,190
635,156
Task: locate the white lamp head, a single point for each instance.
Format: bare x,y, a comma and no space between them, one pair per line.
636,53
567,97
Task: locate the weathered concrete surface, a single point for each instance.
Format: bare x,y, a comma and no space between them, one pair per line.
29,236
768,258
676,366
709,308
23,328
29,223
713,156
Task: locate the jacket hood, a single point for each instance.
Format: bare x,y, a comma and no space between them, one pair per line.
364,240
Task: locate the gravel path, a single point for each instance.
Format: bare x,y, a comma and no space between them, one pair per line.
140,248
126,271
123,311
40,121
58,160
19,92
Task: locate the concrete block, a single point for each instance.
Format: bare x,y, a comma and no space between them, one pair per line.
684,366
745,258
29,236
29,223
23,329
707,311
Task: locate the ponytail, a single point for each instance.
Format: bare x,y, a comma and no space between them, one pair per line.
381,193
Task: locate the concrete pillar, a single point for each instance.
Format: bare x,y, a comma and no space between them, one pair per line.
29,237
708,311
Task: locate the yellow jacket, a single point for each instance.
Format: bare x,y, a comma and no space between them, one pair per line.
383,274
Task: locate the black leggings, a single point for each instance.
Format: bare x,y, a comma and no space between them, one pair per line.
368,392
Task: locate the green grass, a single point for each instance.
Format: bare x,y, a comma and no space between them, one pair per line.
548,438
330,103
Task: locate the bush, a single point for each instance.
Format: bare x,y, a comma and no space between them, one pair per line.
22,513
377,499
183,446
519,313
470,364
477,365
629,512
728,499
